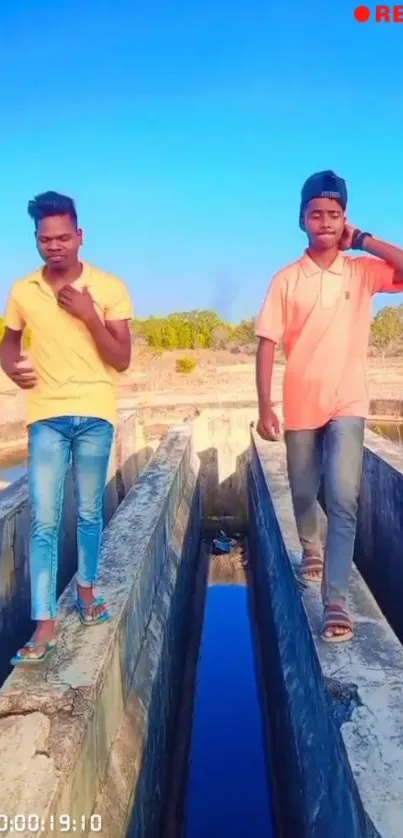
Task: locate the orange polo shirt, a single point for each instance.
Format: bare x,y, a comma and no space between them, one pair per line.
73,380
323,318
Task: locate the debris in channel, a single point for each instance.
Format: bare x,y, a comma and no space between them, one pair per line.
223,543
229,559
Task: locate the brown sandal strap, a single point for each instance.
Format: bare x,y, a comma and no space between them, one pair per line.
336,617
311,564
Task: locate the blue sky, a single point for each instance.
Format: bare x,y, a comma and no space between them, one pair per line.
185,130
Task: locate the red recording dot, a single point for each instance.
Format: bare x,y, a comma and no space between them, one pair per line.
362,14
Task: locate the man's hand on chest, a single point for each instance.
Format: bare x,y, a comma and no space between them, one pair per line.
77,303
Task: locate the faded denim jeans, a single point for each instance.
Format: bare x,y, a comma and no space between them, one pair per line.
336,452
52,445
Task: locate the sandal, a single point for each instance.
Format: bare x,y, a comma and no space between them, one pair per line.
32,655
311,568
86,612
335,617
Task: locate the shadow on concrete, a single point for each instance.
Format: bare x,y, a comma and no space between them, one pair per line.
378,546
378,551
224,500
159,796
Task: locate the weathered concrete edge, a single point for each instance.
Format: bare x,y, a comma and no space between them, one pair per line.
144,742
134,757
362,679
311,763
92,663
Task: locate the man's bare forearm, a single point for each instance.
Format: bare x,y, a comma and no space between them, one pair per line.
264,373
113,352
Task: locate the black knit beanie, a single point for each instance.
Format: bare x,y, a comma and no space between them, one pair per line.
322,185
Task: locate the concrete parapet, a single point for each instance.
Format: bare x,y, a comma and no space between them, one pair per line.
89,735
379,541
336,711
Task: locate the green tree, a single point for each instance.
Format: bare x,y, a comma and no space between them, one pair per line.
169,337
184,335
387,330
222,336
244,333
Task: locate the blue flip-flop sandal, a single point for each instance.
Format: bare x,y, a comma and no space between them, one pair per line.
85,614
21,659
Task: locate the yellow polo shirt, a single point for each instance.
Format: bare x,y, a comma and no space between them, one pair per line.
73,380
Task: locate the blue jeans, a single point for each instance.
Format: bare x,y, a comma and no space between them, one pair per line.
52,445
334,452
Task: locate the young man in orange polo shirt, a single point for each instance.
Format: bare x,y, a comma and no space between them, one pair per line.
79,319
321,308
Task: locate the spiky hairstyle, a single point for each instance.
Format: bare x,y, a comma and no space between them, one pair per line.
51,203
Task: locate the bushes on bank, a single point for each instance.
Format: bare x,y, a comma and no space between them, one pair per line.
186,365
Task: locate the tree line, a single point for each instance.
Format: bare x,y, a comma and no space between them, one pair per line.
184,330
206,330
193,330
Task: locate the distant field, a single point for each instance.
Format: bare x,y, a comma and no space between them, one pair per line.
220,375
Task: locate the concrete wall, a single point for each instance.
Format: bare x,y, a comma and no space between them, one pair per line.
379,542
222,442
378,552
335,711
93,732
128,460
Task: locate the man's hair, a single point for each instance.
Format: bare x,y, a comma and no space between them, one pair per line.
51,203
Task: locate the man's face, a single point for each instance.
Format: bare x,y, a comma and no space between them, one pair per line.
58,241
324,222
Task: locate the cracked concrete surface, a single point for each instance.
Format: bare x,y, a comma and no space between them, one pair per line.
369,668
24,755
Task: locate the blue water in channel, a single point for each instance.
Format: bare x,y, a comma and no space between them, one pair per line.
229,793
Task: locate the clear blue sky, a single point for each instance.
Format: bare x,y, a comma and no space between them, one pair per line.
185,129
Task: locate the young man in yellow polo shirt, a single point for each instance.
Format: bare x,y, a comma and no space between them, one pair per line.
79,319
320,307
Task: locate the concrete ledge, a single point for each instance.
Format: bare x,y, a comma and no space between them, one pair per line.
100,714
336,711
129,458
379,542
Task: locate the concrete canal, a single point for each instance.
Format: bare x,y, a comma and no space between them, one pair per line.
208,705
221,783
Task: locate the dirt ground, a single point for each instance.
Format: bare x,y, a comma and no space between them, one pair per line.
219,377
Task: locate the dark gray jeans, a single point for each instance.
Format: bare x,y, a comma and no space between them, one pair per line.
336,451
